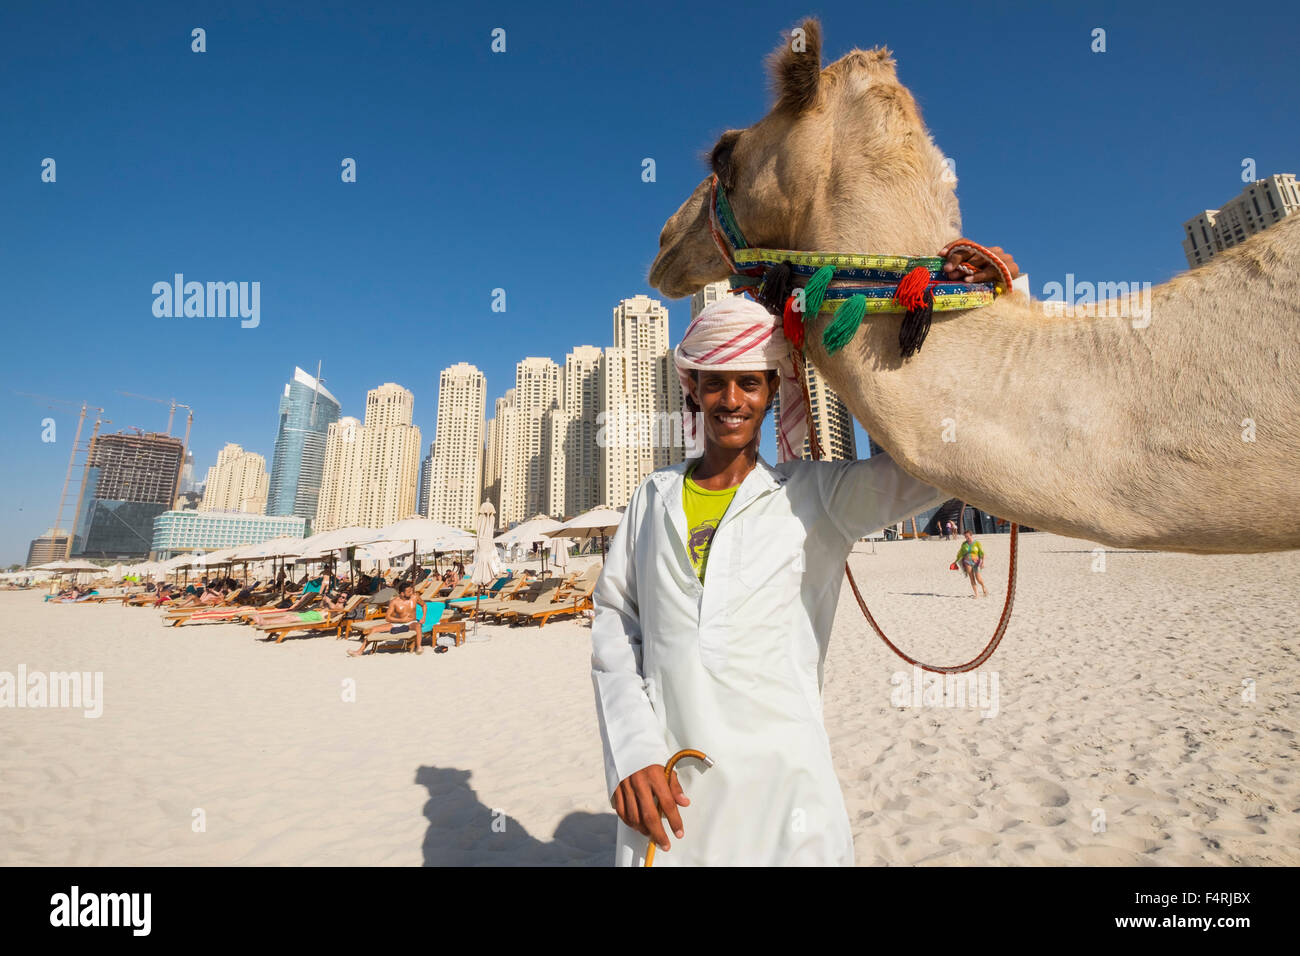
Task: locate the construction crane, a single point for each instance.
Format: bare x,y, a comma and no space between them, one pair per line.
72,460
85,473
161,401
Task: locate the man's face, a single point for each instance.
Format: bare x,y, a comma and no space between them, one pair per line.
733,405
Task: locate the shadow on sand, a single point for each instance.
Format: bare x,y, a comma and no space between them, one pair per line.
464,832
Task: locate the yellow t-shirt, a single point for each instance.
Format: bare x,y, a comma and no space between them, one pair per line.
704,509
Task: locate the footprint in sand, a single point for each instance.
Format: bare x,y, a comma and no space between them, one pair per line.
1038,793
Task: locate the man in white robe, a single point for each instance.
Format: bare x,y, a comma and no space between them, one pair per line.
732,665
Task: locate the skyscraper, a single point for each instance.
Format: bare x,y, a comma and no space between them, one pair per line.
187,473
426,479
132,480
708,295
458,446
370,470
522,433
306,411
391,452
580,404
508,502
491,490
237,482
341,477
1258,206
641,400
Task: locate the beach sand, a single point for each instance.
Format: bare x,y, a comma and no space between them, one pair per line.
1123,730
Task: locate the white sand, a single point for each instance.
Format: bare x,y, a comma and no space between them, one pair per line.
1119,692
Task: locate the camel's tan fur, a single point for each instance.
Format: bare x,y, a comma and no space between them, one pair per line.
1086,426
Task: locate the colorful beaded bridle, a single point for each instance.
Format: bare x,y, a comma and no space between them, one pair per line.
847,286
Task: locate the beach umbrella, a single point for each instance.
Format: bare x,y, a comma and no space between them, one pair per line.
599,522
283,547
327,542
381,550
280,548
71,567
486,567
341,539
560,553
426,535
214,559
529,533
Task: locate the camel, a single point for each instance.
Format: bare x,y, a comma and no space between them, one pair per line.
1180,432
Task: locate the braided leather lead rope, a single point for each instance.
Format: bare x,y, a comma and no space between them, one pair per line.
1001,629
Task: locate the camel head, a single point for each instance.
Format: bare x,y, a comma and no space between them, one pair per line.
841,163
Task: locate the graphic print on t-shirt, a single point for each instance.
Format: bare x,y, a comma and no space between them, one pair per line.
699,538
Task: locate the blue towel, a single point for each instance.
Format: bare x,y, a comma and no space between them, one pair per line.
435,609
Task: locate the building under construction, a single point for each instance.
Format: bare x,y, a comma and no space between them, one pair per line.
130,480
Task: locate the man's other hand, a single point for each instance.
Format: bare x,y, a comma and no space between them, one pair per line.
644,796
966,266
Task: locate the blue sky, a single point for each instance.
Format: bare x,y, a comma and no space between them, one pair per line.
522,171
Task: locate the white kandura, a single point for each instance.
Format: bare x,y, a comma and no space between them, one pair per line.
733,666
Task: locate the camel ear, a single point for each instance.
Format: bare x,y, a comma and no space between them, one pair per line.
795,67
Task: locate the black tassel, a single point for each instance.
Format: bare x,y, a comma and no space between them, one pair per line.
777,285
915,327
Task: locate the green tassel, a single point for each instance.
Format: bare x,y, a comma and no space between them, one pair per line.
845,324
814,291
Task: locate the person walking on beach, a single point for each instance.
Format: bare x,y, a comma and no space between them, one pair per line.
714,610
970,558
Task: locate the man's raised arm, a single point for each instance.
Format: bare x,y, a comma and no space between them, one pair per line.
865,496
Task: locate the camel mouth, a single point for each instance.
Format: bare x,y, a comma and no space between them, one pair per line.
663,275
687,259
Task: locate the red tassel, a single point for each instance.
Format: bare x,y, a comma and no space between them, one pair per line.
792,324
911,291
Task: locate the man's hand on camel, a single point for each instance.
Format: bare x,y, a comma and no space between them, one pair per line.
643,796
968,266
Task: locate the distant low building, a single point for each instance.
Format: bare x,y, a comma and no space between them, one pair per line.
184,532
50,546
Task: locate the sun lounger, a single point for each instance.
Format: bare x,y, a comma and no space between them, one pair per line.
575,601
430,618
310,621
530,600
491,592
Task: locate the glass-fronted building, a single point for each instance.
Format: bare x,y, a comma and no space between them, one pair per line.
306,411
184,532
129,480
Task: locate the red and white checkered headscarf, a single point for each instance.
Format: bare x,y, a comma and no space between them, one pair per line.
736,334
